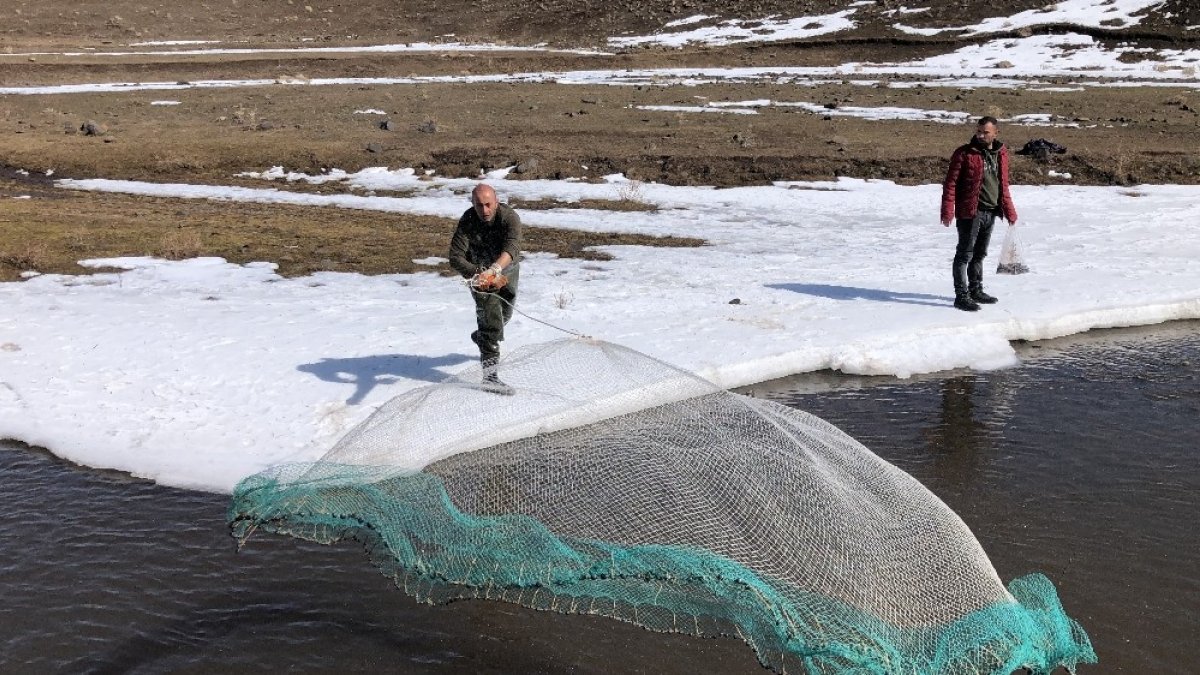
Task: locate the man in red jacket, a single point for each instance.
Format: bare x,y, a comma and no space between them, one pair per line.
974,193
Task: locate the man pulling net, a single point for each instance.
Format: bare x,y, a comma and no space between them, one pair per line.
486,249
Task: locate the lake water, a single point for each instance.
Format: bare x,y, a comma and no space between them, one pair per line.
1082,463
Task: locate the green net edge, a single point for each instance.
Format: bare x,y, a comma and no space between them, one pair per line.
661,588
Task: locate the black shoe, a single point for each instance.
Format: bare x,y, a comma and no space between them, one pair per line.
965,303
982,298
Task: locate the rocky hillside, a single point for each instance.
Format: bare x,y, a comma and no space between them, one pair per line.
48,22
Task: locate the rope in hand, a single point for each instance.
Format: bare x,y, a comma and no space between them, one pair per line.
474,284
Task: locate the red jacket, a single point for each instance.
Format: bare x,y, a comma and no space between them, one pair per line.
964,180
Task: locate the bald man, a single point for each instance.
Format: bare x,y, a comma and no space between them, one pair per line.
488,238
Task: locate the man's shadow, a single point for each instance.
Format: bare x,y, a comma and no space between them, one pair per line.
366,372
854,293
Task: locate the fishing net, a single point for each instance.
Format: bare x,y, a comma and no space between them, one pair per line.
615,484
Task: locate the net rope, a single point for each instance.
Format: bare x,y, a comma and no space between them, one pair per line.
615,484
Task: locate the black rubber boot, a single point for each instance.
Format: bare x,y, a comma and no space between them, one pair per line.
982,298
964,302
962,280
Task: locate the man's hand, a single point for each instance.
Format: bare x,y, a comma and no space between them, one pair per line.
489,280
499,281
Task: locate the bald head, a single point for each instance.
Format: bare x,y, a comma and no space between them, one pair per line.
483,198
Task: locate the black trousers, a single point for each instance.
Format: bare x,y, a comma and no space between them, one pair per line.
492,311
974,234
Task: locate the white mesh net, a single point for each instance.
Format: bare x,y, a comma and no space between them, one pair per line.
613,483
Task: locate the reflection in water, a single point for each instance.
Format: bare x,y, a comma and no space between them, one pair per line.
957,442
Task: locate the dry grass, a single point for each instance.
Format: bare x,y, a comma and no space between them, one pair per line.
563,299
179,243
632,194
25,255
315,128
618,204
57,228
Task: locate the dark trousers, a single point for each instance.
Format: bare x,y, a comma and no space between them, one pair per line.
973,237
492,311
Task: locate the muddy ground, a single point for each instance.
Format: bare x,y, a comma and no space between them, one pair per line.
1125,136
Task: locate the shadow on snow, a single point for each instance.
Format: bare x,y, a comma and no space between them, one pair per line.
854,293
366,372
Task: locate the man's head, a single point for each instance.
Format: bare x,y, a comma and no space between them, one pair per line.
986,131
483,198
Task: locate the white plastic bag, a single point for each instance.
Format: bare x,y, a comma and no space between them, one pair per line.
1012,254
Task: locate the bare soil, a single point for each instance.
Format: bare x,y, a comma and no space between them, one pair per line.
1138,135
55,228
38,23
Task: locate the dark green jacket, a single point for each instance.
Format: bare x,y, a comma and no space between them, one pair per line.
476,244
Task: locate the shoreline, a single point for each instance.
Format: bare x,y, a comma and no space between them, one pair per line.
811,382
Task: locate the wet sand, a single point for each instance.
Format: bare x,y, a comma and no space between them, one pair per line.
1082,463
